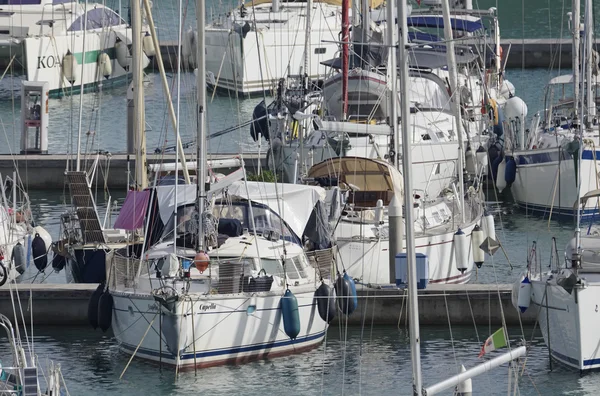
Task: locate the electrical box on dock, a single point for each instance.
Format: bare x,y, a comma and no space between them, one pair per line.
34,117
402,270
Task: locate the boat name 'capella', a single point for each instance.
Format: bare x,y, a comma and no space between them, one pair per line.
206,307
48,62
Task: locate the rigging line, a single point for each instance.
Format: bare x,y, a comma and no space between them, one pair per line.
138,347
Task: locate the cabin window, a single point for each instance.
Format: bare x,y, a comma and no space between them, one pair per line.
272,267
437,217
295,263
320,50
96,19
47,22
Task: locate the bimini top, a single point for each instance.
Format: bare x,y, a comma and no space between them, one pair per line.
361,174
465,23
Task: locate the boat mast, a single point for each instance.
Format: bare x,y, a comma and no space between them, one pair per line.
81,91
455,100
201,119
589,36
588,26
392,72
576,17
345,53
141,178
167,92
413,307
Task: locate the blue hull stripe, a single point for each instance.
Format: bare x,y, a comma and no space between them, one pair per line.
575,362
552,156
557,211
245,311
298,342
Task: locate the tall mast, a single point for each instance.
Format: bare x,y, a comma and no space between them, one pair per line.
392,71
81,91
455,100
345,64
141,178
576,17
413,307
201,120
589,36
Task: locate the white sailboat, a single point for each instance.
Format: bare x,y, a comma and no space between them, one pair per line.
255,45
566,297
546,162
462,379
366,182
66,43
251,295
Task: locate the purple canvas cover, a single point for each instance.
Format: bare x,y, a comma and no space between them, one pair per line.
131,216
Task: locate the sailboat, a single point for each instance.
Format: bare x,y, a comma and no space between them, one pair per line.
70,45
413,308
365,181
566,296
546,161
255,45
226,281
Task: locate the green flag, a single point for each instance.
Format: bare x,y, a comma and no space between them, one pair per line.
495,341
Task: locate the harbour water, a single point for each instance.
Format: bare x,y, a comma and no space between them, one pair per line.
356,361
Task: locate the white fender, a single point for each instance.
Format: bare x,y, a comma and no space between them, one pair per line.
69,67
104,65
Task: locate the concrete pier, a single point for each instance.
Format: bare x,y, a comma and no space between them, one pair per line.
528,53
47,172
466,304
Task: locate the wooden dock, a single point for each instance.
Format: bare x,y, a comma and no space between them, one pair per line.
66,304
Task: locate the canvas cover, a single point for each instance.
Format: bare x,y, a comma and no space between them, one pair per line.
363,174
131,216
294,203
165,195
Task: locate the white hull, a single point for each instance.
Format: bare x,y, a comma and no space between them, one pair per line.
43,57
226,328
571,321
254,62
368,259
546,184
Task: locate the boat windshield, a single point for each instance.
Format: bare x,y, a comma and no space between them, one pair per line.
97,18
265,219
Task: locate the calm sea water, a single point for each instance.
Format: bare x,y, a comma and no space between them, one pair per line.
353,361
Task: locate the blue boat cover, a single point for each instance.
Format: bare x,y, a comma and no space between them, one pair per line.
432,21
431,38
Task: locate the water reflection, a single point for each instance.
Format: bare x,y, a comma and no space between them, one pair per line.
349,363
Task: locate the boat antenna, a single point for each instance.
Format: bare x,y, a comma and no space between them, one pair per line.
413,307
